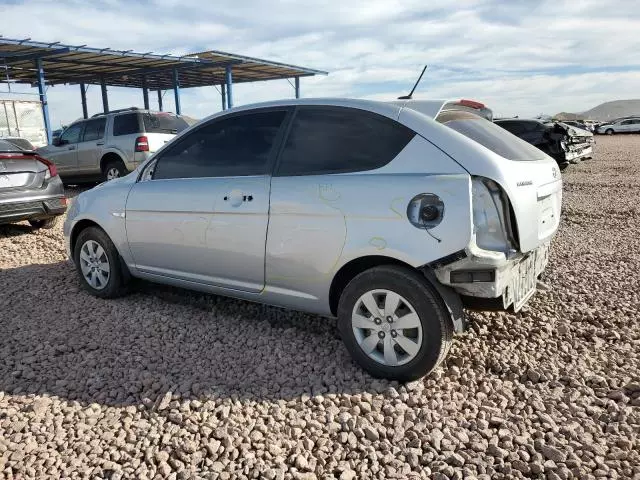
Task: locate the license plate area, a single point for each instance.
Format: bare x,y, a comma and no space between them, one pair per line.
13,180
524,278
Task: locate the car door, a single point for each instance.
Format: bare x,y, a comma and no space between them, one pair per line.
635,126
90,146
624,126
200,210
65,154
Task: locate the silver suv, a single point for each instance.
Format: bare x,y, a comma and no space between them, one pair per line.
107,146
389,216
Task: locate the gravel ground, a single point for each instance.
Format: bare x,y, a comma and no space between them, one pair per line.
171,384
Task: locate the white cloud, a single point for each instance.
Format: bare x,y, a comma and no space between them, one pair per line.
518,56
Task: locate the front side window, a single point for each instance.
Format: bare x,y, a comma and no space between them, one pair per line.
326,140
240,145
94,129
126,124
71,134
626,122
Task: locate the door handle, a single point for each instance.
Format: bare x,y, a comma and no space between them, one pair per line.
72,147
99,143
245,198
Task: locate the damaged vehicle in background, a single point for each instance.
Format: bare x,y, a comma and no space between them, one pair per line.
389,216
564,143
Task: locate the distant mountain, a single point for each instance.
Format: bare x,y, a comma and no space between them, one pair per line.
605,111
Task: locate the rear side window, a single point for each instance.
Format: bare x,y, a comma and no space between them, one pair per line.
126,124
237,146
326,140
94,129
490,135
163,123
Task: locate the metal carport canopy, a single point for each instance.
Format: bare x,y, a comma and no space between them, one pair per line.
41,63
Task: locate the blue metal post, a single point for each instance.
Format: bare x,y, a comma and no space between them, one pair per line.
43,99
83,96
176,90
145,93
297,87
105,98
160,100
229,80
223,93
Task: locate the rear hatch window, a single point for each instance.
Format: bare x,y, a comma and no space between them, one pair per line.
9,147
163,123
490,135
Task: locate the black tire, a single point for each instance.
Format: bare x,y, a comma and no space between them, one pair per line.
115,286
437,326
563,166
44,223
116,167
609,131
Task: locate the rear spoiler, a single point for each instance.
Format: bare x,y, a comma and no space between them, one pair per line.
472,106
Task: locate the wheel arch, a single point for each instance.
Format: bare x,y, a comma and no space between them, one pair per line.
110,156
351,269
87,223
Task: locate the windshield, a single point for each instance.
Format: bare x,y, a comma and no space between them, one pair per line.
490,135
163,123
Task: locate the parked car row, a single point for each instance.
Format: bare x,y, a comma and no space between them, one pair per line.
564,143
391,216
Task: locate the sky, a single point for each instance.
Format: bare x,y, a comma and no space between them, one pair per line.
520,57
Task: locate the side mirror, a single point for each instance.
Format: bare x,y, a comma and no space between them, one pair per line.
56,142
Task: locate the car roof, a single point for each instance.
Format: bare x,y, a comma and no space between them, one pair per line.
430,108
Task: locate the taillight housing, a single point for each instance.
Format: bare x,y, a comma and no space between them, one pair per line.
491,216
142,144
52,171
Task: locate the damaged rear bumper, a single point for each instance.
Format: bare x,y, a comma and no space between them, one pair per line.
501,280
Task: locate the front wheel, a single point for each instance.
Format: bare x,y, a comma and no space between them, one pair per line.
609,131
98,263
394,323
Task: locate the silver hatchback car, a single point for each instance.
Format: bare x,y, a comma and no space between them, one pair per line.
390,216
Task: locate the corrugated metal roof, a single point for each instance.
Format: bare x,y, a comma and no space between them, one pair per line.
74,64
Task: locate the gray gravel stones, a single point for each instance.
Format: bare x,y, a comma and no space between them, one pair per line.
166,383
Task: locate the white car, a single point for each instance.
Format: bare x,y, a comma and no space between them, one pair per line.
626,125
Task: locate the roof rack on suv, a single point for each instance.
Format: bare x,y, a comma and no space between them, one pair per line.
129,109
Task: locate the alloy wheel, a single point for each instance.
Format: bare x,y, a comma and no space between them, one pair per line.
386,327
94,264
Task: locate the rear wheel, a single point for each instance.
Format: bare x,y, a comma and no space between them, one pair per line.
114,169
609,131
98,263
44,223
394,323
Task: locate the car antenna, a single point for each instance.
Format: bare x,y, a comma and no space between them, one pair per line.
410,96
